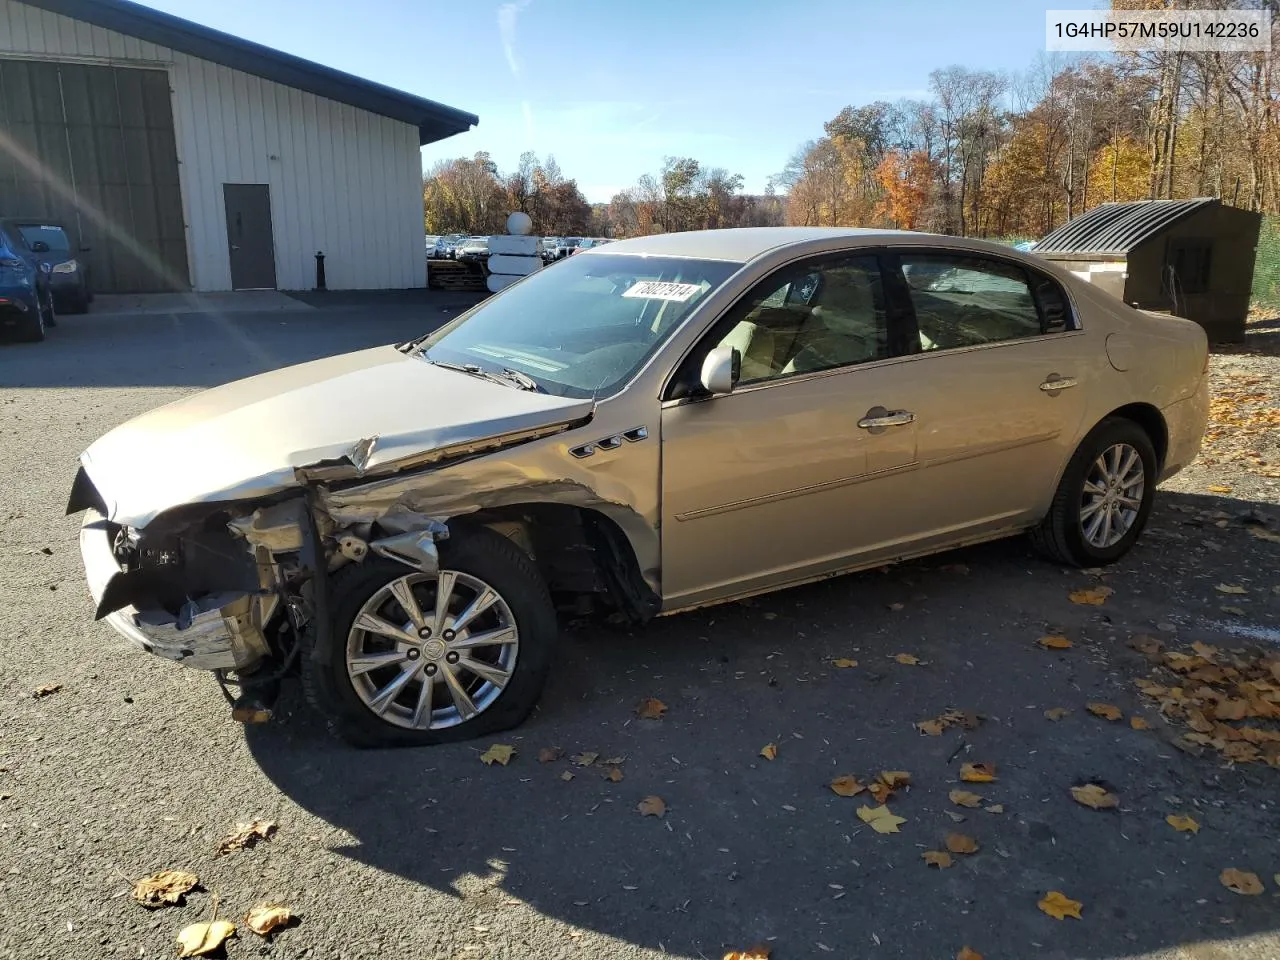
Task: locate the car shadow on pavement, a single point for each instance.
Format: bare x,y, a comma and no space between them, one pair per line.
751,848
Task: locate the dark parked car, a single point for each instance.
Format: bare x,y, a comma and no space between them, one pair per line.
26,301
49,244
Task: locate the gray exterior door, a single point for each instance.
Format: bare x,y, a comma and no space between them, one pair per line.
93,148
249,243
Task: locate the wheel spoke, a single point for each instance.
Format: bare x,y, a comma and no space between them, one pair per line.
387,695
486,671
362,665
402,590
1095,523
444,593
504,636
1130,461
375,624
1105,536
1092,508
466,708
1095,488
1114,456
479,605
422,713
1133,503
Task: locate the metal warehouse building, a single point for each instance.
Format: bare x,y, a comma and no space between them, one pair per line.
185,158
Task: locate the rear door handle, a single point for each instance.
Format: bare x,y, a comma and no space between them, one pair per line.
879,418
1055,383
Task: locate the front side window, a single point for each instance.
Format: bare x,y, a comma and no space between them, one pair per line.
964,301
585,327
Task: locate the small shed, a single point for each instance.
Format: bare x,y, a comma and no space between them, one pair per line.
1191,258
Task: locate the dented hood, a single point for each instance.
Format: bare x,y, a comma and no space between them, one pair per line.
246,439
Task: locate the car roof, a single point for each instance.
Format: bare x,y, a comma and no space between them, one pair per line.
29,221
740,244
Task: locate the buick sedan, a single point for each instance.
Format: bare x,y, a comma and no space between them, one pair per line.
652,426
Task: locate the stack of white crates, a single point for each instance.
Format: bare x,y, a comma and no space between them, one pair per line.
513,255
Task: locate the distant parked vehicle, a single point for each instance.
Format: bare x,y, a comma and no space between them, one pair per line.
590,242
26,299
549,245
48,245
451,243
472,250
566,246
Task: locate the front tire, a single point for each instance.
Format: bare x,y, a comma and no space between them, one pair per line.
470,660
1104,498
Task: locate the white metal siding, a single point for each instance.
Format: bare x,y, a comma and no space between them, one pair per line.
343,180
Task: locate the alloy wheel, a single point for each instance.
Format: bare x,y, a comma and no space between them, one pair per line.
1112,495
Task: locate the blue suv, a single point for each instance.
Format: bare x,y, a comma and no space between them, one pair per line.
26,299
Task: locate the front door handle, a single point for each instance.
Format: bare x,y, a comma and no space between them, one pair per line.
1054,383
878,418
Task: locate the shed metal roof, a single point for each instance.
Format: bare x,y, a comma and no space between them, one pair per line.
1116,228
434,121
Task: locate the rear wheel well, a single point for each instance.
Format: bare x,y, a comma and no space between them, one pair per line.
584,557
1152,421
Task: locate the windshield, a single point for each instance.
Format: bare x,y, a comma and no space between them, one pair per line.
55,237
585,327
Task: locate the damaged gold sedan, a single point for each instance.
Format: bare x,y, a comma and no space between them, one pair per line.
653,426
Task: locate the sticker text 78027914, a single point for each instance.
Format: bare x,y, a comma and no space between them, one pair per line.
662,290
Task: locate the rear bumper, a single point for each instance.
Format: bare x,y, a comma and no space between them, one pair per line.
211,641
1186,421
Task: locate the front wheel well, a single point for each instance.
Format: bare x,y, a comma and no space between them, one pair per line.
1151,420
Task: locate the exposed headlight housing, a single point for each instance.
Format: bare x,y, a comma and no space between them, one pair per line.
67,266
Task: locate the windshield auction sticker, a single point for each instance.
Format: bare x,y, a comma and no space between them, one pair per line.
661,290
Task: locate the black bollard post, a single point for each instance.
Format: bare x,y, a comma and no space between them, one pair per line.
320,284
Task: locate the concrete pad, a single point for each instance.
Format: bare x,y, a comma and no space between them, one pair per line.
152,304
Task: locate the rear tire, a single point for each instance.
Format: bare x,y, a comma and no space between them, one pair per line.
1104,498
32,330
348,698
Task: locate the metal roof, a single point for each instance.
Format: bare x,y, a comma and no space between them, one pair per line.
434,121
1116,228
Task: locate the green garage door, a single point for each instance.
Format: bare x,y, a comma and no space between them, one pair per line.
93,148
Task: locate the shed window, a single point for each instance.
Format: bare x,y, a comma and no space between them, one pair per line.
1188,262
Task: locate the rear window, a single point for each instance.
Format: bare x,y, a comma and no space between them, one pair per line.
55,237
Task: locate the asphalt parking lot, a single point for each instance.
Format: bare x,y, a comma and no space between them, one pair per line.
133,765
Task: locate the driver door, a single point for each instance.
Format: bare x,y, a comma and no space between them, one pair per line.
788,475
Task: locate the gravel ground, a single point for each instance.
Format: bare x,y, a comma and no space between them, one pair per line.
133,765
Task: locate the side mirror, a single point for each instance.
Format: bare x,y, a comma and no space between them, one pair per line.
721,370
39,247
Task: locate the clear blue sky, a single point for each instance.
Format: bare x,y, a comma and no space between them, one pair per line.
610,87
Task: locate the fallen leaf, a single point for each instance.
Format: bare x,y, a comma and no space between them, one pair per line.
844,663
45,690
567,775
1106,711
246,835
846,786
650,708
881,819
937,858
1056,713
266,918
994,808
932,728
199,939
500,753
1145,644
769,751
895,607
165,887
1242,882
585,759
961,843
1183,824
1095,597
1059,906
1218,488
1262,533
1234,611
1138,723
1055,642
895,778
652,807
963,798
957,817
759,952
968,953
978,772
1092,795
1231,709
614,775
880,791
613,761
907,659
1231,588
549,754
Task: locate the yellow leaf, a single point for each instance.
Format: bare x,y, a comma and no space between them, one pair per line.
937,858
961,843
202,938
994,808
1092,795
968,953
500,753
895,778
549,754
846,786
1056,713
46,690
1055,642
652,807
759,952
1182,824
614,775
769,751
650,708
880,791
1095,597
585,759
166,887
881,819
1242,882
1138,723
978,772
963,798
1219,488
1231,588
932,728
1262,533
1059,906
844,663
246,835
907,659
267,918
1104,710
